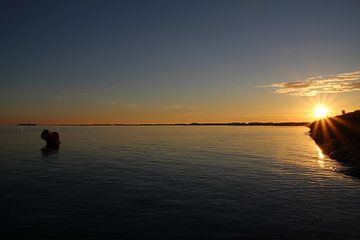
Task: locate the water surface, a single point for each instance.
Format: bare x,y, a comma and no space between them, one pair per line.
180,182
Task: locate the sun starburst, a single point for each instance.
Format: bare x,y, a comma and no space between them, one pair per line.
320,111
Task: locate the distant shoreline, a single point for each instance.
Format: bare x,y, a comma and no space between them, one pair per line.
180,124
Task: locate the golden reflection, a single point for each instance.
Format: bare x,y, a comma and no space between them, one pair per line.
320,153
321,157
322,162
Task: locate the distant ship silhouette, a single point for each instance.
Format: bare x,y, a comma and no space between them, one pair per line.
27,123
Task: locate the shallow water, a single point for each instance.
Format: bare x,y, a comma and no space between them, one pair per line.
180,182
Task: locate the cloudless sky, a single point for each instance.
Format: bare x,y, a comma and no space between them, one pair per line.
171,61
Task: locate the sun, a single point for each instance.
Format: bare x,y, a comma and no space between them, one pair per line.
320,111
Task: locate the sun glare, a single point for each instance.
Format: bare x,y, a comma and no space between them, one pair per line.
320,111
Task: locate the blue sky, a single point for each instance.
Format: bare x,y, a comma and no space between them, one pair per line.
171,61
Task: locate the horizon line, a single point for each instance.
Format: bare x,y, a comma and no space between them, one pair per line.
253,123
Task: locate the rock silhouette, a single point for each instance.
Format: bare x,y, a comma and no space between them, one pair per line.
52,139
339,137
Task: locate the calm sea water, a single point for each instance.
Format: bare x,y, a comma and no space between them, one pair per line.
222,182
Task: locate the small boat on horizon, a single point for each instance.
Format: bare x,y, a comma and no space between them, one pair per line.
27,123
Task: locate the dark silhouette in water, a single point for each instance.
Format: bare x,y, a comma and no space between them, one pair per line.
52,140
339,137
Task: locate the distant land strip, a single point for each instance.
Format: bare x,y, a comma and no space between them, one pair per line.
185,124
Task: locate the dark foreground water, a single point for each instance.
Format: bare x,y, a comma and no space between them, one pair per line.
174,183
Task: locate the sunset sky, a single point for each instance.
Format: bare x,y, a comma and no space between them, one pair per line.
177,61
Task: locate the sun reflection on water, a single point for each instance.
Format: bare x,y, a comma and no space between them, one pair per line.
321,157
321,160
320,153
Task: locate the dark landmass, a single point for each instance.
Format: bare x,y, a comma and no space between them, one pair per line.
27,124
197,124
339,137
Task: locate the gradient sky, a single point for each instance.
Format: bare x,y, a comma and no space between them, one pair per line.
177,61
